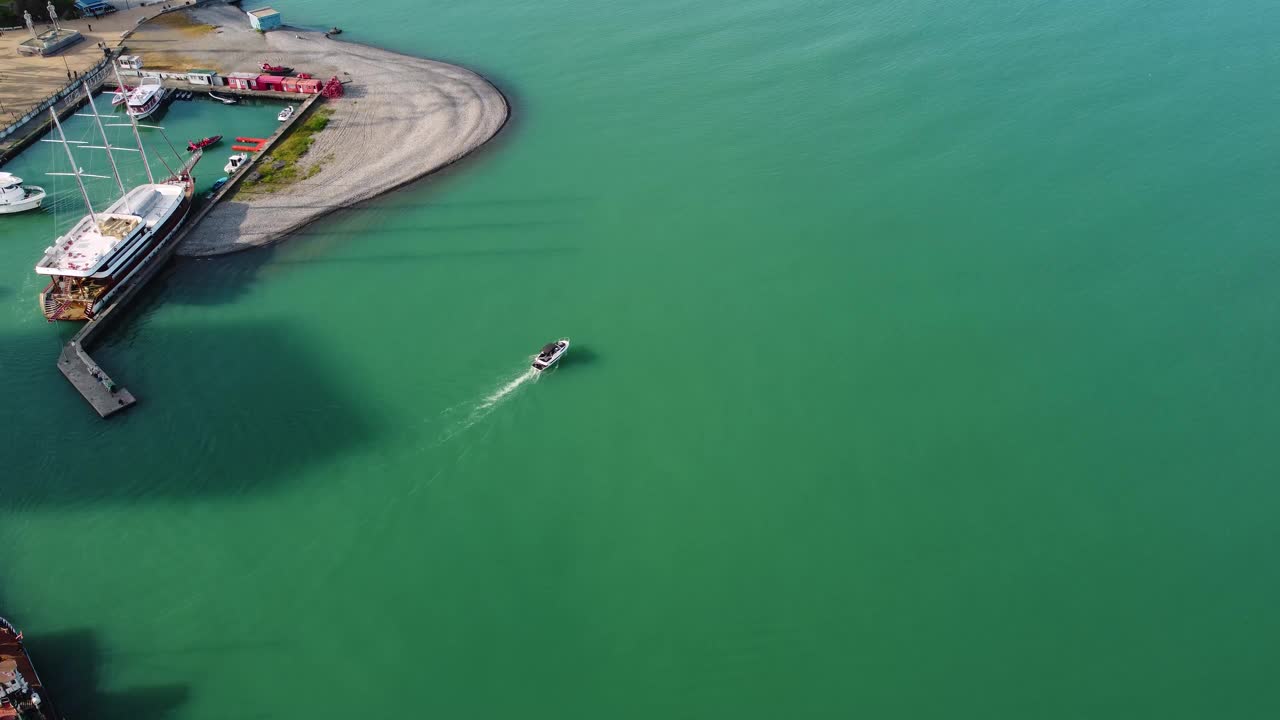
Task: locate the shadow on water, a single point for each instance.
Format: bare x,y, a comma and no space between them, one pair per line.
71,663
223,411
226,279
579,355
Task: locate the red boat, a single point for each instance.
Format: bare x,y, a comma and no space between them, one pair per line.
202,144
22,695
275,69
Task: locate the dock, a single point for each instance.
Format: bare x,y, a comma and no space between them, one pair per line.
88,378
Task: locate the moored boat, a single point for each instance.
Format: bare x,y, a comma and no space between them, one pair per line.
285,114
22,695
203,143
275,69
550,353
15,197
100,254
217,185
234,163
223,100
119,97
147,98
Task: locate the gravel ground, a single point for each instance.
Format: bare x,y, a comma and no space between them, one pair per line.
402,118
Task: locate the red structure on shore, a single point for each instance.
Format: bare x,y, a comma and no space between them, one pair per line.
333,88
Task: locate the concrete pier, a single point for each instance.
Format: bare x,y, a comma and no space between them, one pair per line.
92,382
88,378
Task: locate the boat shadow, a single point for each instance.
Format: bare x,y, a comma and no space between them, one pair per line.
71,665
579,355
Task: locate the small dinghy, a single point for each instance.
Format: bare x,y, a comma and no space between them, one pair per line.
217,185
285,114
550,353
195,145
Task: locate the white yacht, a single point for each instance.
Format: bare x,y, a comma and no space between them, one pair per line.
234,163
100,254
147,98
15,198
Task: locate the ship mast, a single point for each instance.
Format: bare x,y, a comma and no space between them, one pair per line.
134,122
75,169
106,144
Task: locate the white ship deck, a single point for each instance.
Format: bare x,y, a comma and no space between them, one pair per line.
89,245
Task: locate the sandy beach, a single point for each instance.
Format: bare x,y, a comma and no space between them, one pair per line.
402,118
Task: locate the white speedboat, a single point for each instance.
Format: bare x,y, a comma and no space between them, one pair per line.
285,114
223,100
234,163
119,98
550,353
15,198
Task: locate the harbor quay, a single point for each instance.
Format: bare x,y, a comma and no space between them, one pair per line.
427,115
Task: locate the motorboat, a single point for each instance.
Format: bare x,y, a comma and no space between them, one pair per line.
234,163
335,30
275,69
217,185
119,98
16,198
224,100
285,114
195,145
550,353
147,98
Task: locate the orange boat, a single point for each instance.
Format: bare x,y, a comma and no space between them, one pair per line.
22,695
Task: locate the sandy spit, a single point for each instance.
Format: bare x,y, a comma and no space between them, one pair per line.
402,118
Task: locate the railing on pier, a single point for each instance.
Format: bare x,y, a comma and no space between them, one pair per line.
70,92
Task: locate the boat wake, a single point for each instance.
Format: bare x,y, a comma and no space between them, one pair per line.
486,406
507,389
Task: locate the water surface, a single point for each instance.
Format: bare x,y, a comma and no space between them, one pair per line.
922,367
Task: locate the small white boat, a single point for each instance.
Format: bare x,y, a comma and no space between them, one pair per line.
234,163
285,114
223,100
119,98
550,353
15,198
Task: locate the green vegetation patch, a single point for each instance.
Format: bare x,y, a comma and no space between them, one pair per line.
280,167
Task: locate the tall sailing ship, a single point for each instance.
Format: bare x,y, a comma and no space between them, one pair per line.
96,259
22,695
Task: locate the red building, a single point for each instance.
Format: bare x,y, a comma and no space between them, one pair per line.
243,81
271,82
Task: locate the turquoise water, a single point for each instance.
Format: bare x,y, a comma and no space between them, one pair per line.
922,368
